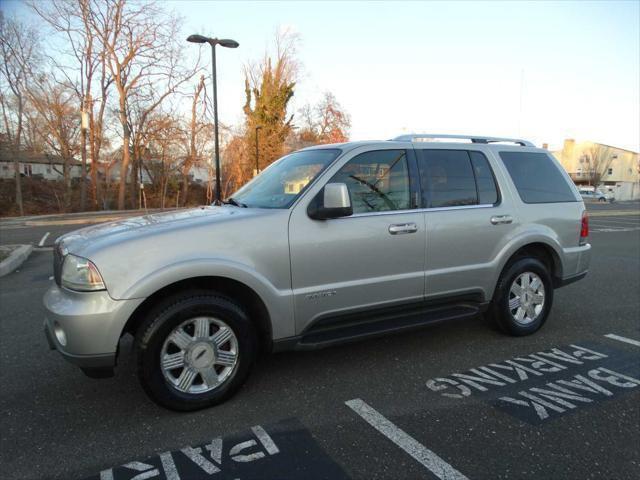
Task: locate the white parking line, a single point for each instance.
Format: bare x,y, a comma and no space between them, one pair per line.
631,341
42,240
406,442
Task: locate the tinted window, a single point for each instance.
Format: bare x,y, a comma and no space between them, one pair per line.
537,178
378,181
447,178
487,191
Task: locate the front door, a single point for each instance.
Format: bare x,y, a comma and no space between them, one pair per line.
373,258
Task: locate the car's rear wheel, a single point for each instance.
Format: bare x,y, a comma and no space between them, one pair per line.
523,297
194,350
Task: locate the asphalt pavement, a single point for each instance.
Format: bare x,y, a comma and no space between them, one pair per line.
42,230
459,399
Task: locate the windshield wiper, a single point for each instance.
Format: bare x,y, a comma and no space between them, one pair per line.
233,201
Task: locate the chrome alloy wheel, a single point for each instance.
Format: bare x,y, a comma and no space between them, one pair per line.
199,355
526,298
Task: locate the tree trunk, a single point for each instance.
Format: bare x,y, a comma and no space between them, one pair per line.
135,175
67,184
83,176
185,185
16,161
95,187
126,139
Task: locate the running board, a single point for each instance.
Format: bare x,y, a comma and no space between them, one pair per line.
353,327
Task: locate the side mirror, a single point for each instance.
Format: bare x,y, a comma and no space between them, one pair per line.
333,201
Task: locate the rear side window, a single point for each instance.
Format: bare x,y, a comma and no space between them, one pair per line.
447,178
487,191
453,178
537,178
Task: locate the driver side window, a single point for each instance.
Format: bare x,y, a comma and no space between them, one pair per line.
378,181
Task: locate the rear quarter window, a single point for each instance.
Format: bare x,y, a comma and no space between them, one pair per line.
537,177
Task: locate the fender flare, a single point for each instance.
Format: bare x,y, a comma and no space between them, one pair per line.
543,236
277,302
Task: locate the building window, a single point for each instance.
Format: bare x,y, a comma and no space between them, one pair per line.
610,171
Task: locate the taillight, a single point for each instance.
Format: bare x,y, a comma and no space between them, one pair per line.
584,228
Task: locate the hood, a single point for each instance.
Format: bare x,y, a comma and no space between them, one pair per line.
121,230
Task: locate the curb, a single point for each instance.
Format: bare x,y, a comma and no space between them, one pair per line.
17,258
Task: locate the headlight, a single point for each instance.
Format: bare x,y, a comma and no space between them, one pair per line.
81,275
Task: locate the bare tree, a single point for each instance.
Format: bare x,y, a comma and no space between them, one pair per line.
327,122
18,54
57,109
164,144
598,158
235,166
195,128
71,19
138,38
152,92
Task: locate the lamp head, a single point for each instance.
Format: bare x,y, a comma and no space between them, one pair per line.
197,39
227,42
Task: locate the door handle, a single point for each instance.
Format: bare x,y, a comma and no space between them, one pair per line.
400,228
501,219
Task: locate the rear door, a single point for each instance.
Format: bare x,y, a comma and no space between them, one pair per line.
465,220
371,259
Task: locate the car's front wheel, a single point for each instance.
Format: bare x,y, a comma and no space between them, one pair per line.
194,350
523,297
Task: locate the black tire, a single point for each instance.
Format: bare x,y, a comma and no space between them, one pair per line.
161,321
499,309
602,200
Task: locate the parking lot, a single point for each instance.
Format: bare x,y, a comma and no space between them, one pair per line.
453,401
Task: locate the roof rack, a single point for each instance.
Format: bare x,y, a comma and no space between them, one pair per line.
411,137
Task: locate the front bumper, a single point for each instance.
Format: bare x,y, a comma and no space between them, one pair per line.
91,324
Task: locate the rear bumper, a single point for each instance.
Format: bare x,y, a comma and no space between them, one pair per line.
575,264
85,328
563,282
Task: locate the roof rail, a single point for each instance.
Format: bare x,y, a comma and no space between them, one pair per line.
411,137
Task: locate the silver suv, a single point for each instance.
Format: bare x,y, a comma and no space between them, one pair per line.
329,244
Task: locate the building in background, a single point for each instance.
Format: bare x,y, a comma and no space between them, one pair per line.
37,165
613,169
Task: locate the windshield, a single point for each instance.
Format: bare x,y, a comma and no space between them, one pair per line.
281,183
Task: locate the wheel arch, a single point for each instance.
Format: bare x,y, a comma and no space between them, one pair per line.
234,289
540,250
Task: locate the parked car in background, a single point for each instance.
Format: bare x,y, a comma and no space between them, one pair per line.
595,195
329,244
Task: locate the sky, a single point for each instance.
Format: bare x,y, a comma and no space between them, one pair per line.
544,71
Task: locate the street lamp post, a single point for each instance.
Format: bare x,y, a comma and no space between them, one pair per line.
228,43
258,127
